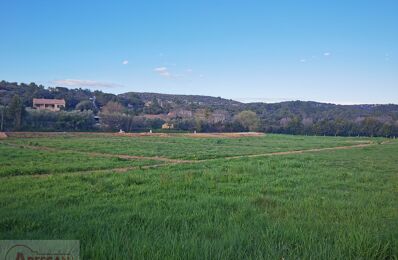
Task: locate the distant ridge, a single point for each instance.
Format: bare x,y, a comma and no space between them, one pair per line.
199,99
217,114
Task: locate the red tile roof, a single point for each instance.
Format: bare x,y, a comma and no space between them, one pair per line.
49,101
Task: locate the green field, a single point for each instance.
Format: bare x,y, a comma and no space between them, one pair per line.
171,197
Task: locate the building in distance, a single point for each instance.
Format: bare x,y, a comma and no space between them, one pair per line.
48,104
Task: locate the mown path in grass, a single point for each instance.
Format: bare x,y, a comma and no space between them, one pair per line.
93,154
304,151
329,204
22,161
169,162
183,148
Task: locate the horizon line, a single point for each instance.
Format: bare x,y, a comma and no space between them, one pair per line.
244,100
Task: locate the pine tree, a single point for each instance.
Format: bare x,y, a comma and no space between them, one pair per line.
16,111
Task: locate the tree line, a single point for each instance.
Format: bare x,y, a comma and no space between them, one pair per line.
97,111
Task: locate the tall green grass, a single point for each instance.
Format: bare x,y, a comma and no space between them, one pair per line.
328,205
23,161
189,148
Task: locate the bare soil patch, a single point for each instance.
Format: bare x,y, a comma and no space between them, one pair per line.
225,135
87,134
53,134
3,135
194,135
141,134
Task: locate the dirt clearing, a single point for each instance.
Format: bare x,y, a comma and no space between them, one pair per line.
94,134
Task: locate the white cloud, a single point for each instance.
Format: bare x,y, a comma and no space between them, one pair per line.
162,71
303,60
81,83
326,54
125,62
183,74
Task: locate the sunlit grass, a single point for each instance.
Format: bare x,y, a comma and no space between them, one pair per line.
333,204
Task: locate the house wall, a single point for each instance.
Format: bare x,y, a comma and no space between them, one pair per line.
49,107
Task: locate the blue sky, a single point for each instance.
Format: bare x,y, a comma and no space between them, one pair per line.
341,51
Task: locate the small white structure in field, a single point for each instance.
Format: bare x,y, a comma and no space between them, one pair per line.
121,131
150,131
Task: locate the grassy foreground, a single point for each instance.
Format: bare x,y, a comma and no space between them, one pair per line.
337,204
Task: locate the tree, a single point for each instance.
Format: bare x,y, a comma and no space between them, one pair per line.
103,98
248,119
113,108
16,111
386,130
2,117
113,117
370,126
42,120
115,121
153,108
86,105
132,101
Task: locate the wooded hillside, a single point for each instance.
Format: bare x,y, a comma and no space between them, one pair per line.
142,111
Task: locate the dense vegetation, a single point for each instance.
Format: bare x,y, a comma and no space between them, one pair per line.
135,111
333,204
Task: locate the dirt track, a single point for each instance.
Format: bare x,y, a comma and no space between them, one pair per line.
191,135
170,162
87,134
224,135
303,151
93,154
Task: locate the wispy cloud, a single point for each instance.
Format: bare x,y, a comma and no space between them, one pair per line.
175,74
81,83
315,57
162,71
125,62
